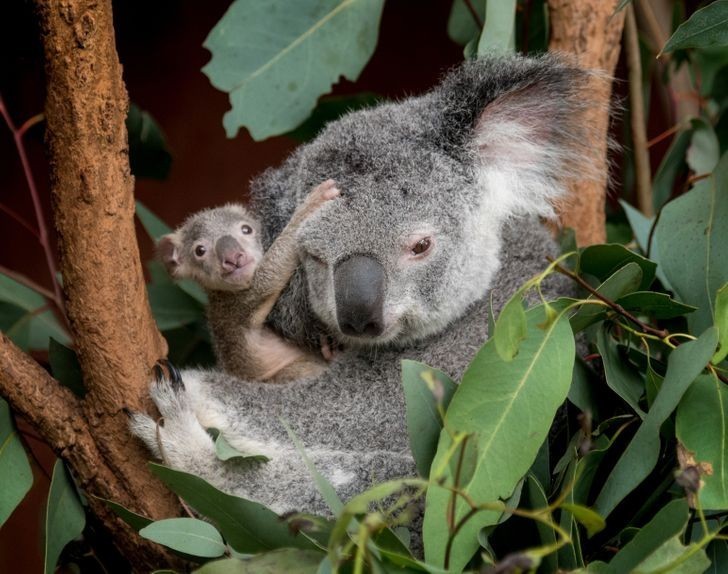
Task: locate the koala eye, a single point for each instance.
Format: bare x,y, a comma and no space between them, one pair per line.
421,246
200,250
246,229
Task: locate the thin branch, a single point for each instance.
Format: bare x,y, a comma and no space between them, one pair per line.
20,219
666,134
661,333
637,114
473,13
35,196
23,280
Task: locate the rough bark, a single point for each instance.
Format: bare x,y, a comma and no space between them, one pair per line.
591,31
114,332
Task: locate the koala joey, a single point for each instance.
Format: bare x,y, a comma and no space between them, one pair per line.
438,223
220,248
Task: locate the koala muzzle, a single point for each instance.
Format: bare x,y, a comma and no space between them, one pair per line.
230,253
359,283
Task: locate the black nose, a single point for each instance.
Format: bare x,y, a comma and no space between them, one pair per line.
359,283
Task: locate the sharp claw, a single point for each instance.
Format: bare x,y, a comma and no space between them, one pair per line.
127,411
158,371
175,377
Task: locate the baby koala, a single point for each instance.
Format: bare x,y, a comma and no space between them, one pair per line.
220,248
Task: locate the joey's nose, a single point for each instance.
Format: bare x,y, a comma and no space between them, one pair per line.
230,253
359,284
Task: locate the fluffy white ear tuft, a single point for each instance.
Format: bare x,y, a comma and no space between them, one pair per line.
529,143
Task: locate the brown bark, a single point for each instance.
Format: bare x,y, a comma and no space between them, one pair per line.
589,30
114,332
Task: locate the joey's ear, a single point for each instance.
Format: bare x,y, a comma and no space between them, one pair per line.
168,252
522,121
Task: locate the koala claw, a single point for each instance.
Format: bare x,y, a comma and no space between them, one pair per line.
173,374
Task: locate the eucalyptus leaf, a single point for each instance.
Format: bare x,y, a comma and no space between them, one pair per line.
148,153
702,427
172,307
657,305
15,473
621,376
669,521
510,327
707,27
721,322
671,165
152,224
425,389
508,408
461,24
247,526
683,367
704,150
537,499
693,236
674,557
586,517
65,367
275,562
188,535
225,451
65,518
136,521
499,29
602,261
274,87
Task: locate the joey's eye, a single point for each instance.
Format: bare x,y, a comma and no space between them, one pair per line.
200,250
421,246
246,229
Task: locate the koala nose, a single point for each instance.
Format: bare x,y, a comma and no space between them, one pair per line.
359,290
230,253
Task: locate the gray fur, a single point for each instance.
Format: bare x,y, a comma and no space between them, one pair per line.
439,164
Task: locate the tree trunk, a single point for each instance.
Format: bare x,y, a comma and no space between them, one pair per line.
591,31
114,332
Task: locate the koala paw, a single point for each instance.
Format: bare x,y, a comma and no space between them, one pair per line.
178,431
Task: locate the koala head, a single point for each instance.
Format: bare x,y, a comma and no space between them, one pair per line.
426,186
219,248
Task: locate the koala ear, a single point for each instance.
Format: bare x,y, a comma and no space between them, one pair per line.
521,120
168,251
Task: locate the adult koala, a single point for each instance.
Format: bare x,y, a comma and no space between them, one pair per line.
440,199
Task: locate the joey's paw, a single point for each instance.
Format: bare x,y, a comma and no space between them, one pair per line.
320,194
163,368
170,397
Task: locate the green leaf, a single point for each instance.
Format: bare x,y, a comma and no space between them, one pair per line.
148,153
16,476
702,426
507,408
188,535
276,562
247,526
602,261
587,517
706,27
65,367
154,226
33,329
136,521
721,322
424,389
499,30
693,236
65,518
172,307
704,151
461,26
537,499
584,392
671,165
657,305
510,327
717,552
665,559
225,451
622,282
621,377
274,86
667,523
683,366
330,109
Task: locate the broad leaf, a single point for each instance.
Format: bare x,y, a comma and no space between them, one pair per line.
702,426
667,523
693,236
16,476
717,552
247,526
586,517
704,151
507,408
706,27
657,305
602,261
274,79
285,560
188,535
537,499
721,322
225,451
674,557
621,376
172,307
510,327
684,365
154,226
461,24
672,164
65,518
499,33
136,521
425,389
